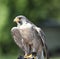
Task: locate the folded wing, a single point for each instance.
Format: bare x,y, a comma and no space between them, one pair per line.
17,36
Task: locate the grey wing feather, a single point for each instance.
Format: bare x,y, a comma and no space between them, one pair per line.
41,34
44,43
17,36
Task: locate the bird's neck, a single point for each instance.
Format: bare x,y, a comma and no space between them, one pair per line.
18,24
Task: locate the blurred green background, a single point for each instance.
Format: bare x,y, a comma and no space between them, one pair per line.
43,13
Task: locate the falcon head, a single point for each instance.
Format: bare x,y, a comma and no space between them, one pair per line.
20,19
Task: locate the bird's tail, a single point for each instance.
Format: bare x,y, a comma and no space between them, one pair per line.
46,51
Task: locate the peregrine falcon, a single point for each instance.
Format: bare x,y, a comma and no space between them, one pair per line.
29,37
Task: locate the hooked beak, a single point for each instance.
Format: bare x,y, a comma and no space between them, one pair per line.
16,20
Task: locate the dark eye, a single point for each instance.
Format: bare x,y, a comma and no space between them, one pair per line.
20,22
20,17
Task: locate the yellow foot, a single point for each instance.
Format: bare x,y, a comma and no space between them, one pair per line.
28,56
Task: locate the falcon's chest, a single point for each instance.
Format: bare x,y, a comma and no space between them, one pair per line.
25,30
